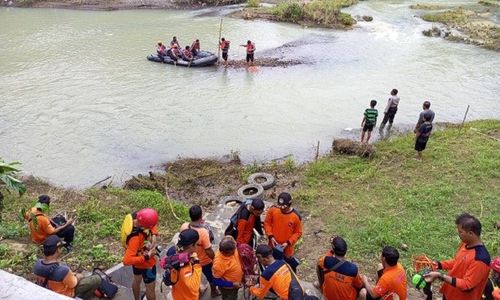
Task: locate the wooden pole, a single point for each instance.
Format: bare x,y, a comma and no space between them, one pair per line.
218,42
465,116
317,153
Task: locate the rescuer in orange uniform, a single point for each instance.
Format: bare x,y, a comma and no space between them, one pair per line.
468,270
283,227
141,250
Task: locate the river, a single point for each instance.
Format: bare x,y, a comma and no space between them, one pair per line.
79,101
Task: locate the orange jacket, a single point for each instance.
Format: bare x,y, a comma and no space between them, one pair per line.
276,276
469,270
228,268
43,229
283,227
134,254
392,281
202,244
246,224
61,280
341,284
188,280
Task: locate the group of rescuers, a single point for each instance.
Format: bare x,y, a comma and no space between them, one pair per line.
338,278
175,52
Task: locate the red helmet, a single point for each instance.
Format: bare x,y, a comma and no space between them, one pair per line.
495,264
147,217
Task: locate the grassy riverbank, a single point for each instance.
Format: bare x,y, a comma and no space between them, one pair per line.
473,24
99,216
390,199
395,200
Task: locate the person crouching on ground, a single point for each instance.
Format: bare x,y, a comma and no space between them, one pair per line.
369,121
140,251
277,275
227,269
468,270
57,277
338,278
283,227
422,135
203,246
188,278
43,226
391,283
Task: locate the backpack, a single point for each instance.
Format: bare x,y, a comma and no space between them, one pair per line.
173,261
232,228
107,289
295,291
211,235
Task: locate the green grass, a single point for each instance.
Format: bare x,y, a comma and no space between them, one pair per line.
449,17
393,199
253,3
494,3
99,217
426,6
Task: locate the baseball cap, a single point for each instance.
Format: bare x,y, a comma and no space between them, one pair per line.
495,264
339,245
188,237
263,250
51,244
284,199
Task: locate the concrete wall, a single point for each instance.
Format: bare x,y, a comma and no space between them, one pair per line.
17,288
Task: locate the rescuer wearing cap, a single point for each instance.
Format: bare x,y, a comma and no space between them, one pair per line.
140,251
283,227
188,278
57,277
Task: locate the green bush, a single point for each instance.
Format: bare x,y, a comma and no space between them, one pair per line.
288,11
253,3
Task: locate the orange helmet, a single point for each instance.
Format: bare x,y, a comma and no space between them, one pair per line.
147,217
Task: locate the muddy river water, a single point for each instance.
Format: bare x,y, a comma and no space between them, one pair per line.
79,101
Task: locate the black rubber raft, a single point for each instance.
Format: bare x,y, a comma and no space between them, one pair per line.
202,59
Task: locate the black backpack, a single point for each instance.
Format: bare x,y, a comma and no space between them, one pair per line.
107,289
232,229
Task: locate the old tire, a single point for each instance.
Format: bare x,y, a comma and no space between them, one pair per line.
265,179
251,191
232,199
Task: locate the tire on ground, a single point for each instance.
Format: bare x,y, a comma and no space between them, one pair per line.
268,182
251,191
232,199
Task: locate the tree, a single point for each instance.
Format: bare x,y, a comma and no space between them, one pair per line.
9,181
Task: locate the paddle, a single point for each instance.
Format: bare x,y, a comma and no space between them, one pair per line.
218,42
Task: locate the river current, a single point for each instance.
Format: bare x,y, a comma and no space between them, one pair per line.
79,101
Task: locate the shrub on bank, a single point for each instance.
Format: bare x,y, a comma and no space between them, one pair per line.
253,3
321,12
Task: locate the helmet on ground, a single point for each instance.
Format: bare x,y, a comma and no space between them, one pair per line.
147,217
495,264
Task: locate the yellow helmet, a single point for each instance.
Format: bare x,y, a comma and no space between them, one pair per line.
160,42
